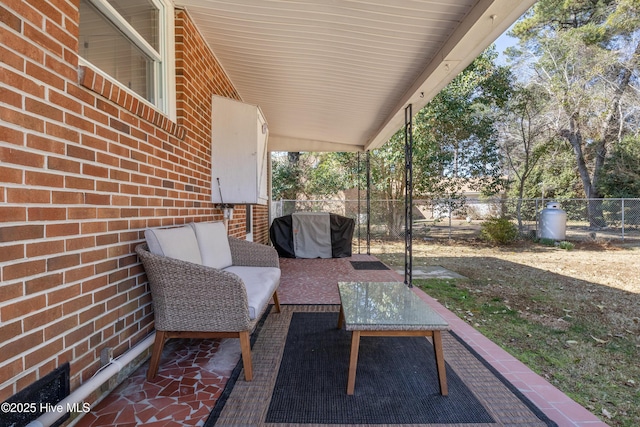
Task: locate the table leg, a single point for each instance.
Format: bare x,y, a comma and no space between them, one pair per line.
340,318
353,362
442,373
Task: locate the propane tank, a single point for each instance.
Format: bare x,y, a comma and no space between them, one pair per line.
553,222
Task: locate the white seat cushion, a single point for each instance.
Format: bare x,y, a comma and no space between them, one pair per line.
260,283
213,243
179,243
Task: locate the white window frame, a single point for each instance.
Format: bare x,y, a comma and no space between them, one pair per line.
164,58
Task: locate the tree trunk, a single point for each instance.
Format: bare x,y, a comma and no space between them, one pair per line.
519,204
573,135
394,219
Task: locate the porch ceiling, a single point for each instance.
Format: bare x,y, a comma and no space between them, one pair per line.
334,75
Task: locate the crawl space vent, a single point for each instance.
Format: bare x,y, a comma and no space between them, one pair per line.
33,401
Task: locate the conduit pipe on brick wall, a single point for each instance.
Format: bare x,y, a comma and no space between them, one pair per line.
77,397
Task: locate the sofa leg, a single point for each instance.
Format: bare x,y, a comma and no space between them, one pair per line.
276,301
156,352
245,347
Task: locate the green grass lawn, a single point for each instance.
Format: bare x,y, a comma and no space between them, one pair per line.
575,351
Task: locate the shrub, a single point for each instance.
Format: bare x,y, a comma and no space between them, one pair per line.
499,230
566,245
546,241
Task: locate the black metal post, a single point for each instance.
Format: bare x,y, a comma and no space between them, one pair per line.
408,200
368,160
359,185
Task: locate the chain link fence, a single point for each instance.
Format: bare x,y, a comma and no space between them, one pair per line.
462,218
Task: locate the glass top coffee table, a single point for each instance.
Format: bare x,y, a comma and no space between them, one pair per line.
388,309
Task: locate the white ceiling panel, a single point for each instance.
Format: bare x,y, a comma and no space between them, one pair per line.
336,75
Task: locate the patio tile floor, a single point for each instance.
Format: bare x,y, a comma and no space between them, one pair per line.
193,373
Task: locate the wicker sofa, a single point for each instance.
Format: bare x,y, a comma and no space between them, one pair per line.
205,284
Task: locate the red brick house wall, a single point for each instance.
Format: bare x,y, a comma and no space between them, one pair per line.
84,169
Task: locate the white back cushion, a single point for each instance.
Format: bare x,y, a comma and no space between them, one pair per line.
179,243
213,243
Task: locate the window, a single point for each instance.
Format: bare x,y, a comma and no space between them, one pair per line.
130,40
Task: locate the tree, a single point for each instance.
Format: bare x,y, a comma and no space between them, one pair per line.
455,141
525,137
460,123
297,176
621,173
331,173
286,176
584,53
554,176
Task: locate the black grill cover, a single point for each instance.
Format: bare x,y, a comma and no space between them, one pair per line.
281,234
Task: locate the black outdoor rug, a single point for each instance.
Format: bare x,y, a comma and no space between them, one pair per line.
300,379
368,265
396,380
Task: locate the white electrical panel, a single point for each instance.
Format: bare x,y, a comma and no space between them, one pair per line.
239,135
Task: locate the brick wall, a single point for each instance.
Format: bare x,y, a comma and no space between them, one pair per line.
84,169
260,224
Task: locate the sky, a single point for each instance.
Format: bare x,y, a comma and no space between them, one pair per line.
503,42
